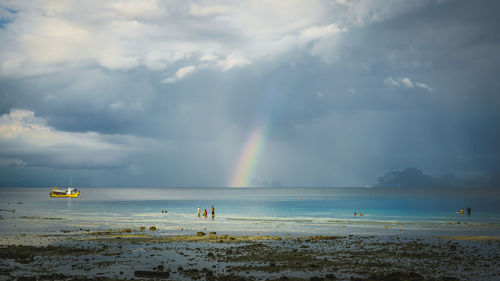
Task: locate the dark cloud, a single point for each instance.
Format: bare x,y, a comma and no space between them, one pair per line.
320,86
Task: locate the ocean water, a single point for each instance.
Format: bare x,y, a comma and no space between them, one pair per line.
256,211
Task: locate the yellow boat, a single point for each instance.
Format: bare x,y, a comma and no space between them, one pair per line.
71,192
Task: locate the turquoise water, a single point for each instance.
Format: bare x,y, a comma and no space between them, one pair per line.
298,211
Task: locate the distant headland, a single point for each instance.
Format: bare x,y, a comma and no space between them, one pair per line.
413,177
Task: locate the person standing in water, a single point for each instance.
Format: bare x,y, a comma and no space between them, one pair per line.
213,211
205,213
199,210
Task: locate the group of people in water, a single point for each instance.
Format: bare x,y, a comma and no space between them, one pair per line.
205,213
462,211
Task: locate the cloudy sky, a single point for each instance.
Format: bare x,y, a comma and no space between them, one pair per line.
172,93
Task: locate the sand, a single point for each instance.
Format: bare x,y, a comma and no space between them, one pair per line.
472,238
124,254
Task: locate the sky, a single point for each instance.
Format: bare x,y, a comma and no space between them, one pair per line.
161,93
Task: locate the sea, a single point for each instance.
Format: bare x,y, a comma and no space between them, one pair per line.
298,211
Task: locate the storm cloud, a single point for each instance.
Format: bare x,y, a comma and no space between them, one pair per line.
166,93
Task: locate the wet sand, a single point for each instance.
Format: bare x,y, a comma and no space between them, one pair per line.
124,254
472,238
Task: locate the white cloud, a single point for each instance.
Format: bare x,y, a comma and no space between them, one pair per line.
229,62
137,9
116,105
51,36
232,61
121,105
392,82
423,86
405,83
315,32
54,36
27,140
208,57
198,10
184,71
181,73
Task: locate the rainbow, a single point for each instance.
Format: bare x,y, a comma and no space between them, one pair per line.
248,158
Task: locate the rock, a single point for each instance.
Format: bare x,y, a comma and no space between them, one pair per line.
449,278
213,233
396,276
151,274
152,228
330,276
312,265
200,233
316,278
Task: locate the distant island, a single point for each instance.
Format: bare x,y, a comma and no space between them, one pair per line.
413,177
265,183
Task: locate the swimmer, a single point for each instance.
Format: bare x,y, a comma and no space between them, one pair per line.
354,213
199,210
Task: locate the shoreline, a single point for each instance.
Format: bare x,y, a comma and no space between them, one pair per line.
174,224
122,254
471,238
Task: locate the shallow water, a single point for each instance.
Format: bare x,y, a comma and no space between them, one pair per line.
302,211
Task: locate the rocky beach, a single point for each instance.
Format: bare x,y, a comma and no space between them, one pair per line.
125,254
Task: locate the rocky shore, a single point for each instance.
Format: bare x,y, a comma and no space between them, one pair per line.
124,254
